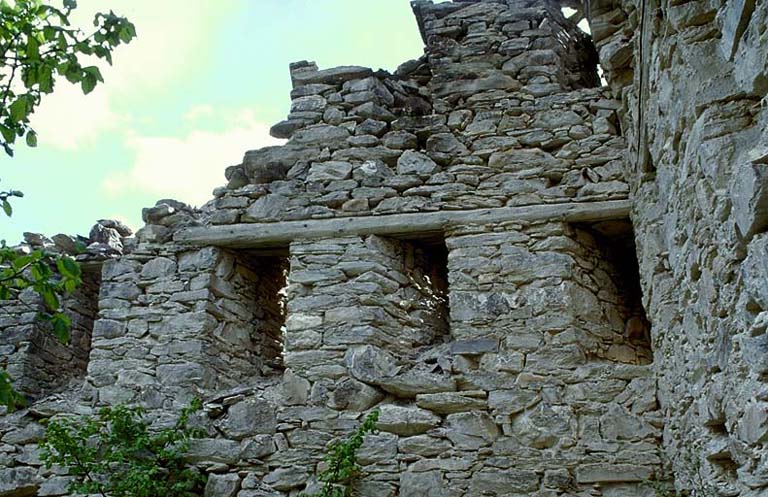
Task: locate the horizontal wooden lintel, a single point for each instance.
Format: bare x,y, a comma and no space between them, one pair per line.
411,225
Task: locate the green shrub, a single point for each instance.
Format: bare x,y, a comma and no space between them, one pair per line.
115,454
341,460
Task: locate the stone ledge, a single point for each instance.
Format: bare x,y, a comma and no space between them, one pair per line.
265,235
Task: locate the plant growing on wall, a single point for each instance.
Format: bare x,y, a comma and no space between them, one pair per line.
116,454
342,468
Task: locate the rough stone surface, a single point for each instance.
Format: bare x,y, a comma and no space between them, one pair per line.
513,358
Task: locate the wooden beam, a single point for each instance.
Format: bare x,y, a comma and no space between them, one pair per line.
411,225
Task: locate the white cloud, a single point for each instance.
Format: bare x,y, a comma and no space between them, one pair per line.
171,35
67,118
198,112
189,167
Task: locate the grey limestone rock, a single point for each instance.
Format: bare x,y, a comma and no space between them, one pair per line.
406,421
329,171
250,417
415,381
272,163
426,484
416,163
333,76
370,364
224,485
213,450
19,482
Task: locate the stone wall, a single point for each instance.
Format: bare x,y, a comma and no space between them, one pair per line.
349,292
38,362
529,355
177,322
504,109
695,83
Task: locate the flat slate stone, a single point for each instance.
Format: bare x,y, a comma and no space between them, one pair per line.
333,76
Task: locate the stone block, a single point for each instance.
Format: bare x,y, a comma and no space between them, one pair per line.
452,402
503,482
19,482
224,485
406,421
413,382
612,473
211,450
426,484
248,418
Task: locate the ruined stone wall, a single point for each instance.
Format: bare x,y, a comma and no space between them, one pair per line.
39,363
533,356
494,115
695,83
31,354
178,322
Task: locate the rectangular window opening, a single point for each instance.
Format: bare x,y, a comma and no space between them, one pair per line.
426,262
615,242
82,306
259,279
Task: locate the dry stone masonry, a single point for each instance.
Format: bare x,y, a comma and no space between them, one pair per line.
546,286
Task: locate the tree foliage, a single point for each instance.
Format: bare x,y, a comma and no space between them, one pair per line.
116,454
342,468
38,44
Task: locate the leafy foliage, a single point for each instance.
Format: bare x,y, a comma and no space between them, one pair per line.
38,44
341,459
116,454
8,396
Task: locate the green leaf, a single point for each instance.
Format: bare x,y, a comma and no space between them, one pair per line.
94,72
8,396
88,83
21,261
49,33
7,208
50,298
31,138
61,325
33,48
8,134
18,109
73,73
126,35
46,79
68,267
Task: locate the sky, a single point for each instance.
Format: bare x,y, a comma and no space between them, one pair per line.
201,84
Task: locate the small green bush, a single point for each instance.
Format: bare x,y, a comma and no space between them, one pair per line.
115,454
341,459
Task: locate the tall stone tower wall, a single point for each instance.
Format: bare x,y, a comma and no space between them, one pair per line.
455,245
693,79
